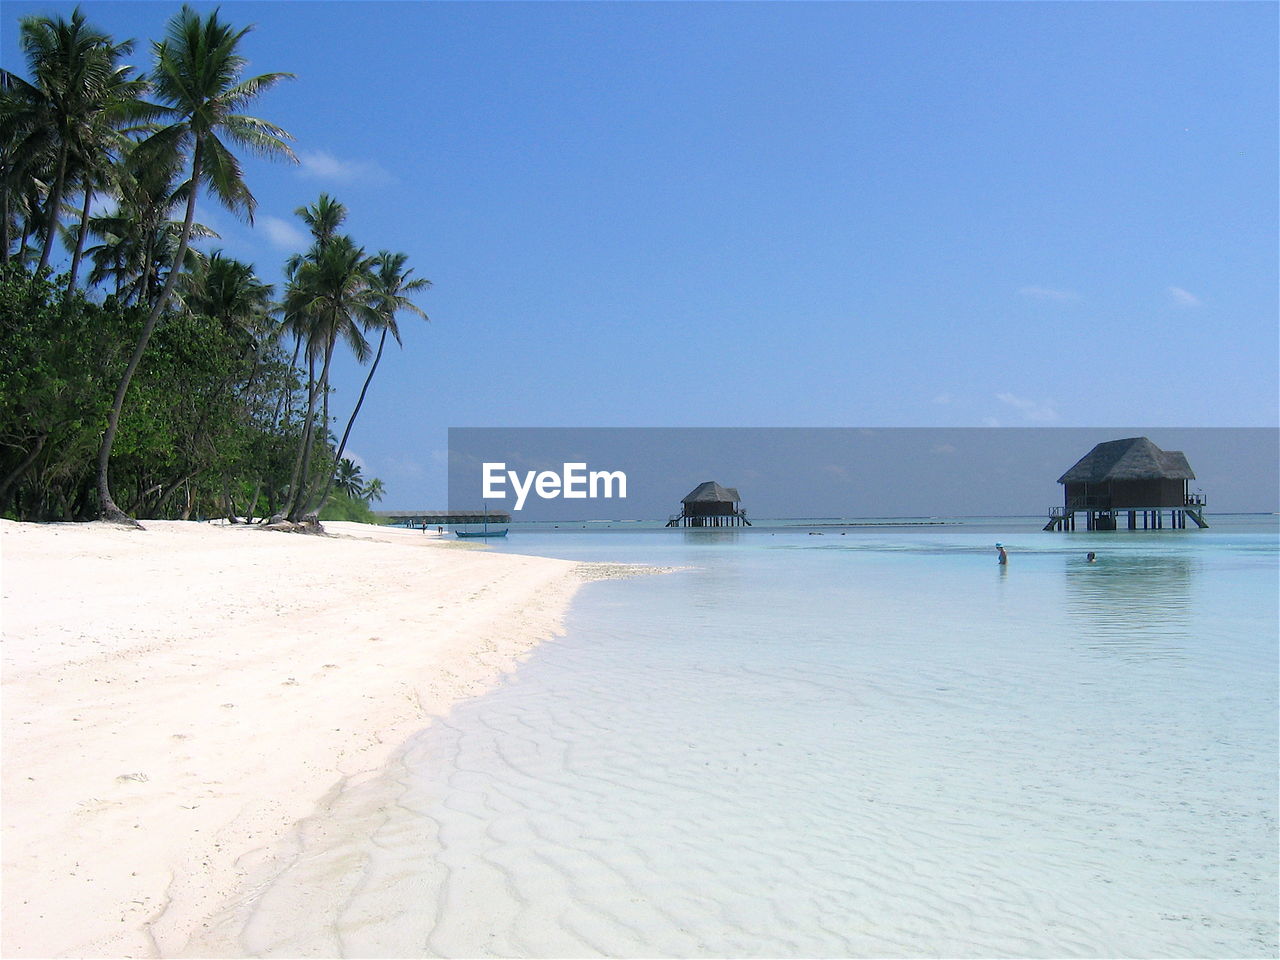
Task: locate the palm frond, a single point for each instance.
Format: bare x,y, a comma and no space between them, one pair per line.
246,91
262,138
222,173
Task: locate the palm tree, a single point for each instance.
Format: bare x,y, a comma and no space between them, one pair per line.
230,291
94,178
392,285
79,93
26,159
329,299
373,491
198,75
323,217
102,150
28,138
227,292
22,195
349,481
139,238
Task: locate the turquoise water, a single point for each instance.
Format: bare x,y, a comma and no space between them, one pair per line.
871,744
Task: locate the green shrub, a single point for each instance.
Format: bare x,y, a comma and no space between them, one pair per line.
343,508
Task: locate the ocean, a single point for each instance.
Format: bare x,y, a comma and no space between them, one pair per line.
819,740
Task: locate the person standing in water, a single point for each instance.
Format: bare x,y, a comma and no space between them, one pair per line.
1001,557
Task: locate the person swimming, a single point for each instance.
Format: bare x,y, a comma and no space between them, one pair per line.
1092,557
1001,556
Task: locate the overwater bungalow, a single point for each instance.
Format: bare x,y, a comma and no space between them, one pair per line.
710,505
1132,477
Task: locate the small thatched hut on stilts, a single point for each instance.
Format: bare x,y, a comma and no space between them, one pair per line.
710,505
1128,476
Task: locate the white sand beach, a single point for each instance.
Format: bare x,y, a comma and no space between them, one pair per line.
175,699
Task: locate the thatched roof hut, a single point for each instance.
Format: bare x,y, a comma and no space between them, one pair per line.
1130,475
712,492
710,505
1136,458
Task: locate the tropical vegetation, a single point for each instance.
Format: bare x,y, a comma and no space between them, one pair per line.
154,377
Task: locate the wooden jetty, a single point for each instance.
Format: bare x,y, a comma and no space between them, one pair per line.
1132,478
439,518
710,505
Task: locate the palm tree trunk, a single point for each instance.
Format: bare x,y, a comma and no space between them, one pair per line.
229,503
337,458
300,498
22,468
84,229
285,393
324,394
306,433
288,396
284,404
252,506
106,505
54,202
143,288
5,239
163,503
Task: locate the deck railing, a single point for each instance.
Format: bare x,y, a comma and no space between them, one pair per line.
1077,504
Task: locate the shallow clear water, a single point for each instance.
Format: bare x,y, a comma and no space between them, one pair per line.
876,744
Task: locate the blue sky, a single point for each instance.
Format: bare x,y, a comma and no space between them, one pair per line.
781,214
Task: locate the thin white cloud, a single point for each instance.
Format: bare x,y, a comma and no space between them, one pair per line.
1048,293
1030,409
836,471
944,399
321,165
284,234
1184,298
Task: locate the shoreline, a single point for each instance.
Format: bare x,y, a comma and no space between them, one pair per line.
177,700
